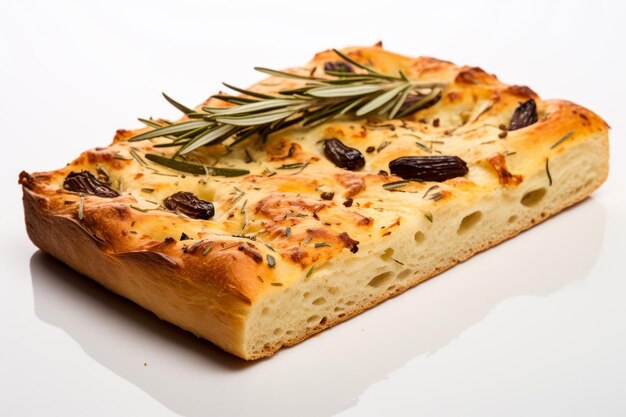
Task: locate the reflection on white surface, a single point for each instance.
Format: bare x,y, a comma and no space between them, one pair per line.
327,373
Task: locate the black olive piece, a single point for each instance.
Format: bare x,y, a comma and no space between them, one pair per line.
525,115
85,182
187,203
428,168
343,156
338,66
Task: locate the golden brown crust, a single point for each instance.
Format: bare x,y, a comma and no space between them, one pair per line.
210,282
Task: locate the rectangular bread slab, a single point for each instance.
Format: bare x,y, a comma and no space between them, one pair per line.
279,263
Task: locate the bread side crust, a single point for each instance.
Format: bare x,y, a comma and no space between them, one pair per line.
568,194
150,278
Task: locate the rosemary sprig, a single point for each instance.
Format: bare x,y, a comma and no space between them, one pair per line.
361,94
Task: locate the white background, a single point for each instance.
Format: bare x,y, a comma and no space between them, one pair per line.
535,326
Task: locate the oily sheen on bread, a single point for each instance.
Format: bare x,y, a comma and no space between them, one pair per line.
290,252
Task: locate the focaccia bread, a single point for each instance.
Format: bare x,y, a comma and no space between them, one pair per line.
300,244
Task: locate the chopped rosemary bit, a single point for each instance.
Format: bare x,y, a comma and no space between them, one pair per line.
123,158
260,279
243,207
269,173
306,241
239,195
207,250
143,210
563,139
229,246
135,154
295,165
81,206
382,126
428,216
423,147
301,169
270,247
296,215
147,190
322,245
394,185
243,236
271,262
383,146
432,142
249,157
434,187
277,284
436,196
310,271
287,231
548,172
